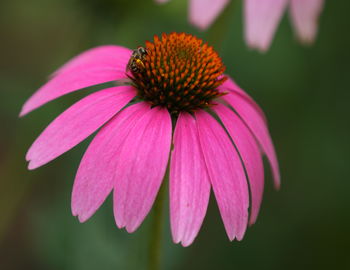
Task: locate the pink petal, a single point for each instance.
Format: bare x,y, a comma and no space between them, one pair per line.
189,182
141,167
204,12
261,20
305,16
257,125
99,65
96,174
250,154
78,122
226,174
103,56
231,85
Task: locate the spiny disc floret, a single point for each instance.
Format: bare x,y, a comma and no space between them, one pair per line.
179,72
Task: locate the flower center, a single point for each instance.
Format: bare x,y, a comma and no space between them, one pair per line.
178,72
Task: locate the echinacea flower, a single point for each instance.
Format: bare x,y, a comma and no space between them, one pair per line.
178,110
261,18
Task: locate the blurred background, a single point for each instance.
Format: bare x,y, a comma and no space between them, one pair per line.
304,92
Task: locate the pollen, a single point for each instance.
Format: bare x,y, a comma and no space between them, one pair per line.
177,71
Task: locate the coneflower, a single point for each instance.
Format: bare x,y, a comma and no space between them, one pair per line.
178,109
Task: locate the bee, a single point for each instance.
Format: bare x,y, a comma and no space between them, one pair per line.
135,63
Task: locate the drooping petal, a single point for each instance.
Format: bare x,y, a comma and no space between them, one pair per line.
258,127
76,123
93,67
304,15
189,182
261,18
226,174
231,85
141,167
250,154
96,174
204,12
104,56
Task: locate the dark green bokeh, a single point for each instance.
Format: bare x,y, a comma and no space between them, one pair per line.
303,90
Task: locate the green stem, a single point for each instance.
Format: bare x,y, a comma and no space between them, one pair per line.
157,229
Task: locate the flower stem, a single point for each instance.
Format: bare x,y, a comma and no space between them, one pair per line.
157,229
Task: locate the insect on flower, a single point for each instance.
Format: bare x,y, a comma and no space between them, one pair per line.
135,63
179,96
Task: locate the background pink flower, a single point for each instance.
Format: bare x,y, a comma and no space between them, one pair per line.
176,79
261,18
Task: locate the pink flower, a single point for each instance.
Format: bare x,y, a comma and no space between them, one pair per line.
171,108
262,18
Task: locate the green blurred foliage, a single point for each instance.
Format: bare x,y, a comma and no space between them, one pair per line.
303,90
